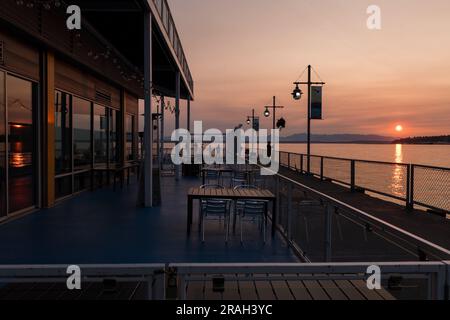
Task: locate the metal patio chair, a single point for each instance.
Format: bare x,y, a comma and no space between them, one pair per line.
212,176
215,209
254,210
239,178
250,210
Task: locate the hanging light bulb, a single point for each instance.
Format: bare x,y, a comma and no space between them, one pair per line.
297,93
267,112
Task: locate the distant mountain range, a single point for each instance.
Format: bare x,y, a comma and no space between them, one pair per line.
360,138
337,138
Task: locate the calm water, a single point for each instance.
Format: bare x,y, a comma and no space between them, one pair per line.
434,155
431,186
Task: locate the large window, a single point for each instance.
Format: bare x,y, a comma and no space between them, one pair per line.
82,151
114,144
21,143
63,133
129,131
87,137
73,152
3,167
100,135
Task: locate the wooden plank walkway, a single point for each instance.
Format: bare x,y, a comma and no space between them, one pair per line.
428,226
235,289
286,290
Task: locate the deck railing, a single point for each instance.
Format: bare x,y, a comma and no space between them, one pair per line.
405,280
323,229
412,184
149,276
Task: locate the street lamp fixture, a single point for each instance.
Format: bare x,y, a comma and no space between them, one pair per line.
297,93
274,108
248,120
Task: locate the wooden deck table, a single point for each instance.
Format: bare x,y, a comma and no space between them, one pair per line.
241,194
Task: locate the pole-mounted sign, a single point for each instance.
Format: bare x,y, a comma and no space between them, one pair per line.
256,124
316,103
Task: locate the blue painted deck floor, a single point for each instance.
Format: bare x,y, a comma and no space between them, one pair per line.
107,227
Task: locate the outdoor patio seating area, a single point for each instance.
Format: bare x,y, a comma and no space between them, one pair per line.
107,226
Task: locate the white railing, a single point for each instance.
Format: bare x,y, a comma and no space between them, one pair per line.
150,274
434,274
170,281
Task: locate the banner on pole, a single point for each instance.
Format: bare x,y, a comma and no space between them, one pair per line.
256,124
316,103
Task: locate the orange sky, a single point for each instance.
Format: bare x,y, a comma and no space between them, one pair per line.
241,53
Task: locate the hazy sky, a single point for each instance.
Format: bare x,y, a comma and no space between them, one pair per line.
242,52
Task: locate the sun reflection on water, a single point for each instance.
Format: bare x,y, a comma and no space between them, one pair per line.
398,174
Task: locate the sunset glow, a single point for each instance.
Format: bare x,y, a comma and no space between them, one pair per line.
399,128
372,76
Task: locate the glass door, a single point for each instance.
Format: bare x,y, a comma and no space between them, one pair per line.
21,144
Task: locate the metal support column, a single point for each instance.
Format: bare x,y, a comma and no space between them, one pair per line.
161,151
188,127
308,165
177,115
148,130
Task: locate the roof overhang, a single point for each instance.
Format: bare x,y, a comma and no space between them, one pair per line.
121,23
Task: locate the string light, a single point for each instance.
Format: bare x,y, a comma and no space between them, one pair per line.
135,73
46,4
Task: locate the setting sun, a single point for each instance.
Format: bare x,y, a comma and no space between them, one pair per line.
399,128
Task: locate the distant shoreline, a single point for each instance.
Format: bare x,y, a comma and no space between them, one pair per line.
368,142
337,142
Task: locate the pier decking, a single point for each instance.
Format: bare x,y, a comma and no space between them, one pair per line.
106,227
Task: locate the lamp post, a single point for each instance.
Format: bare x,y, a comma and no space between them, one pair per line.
251,119
297,95
274,108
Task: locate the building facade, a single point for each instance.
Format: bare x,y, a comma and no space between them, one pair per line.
69,98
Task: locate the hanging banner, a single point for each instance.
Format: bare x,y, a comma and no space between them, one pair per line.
256,124
316,103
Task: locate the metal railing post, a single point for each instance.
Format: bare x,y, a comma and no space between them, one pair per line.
150,288
157,286
301,163
289,160
408,187
447,284
352,175
289,211
277,194
182,288
321,168
411,187
438,284
329,209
